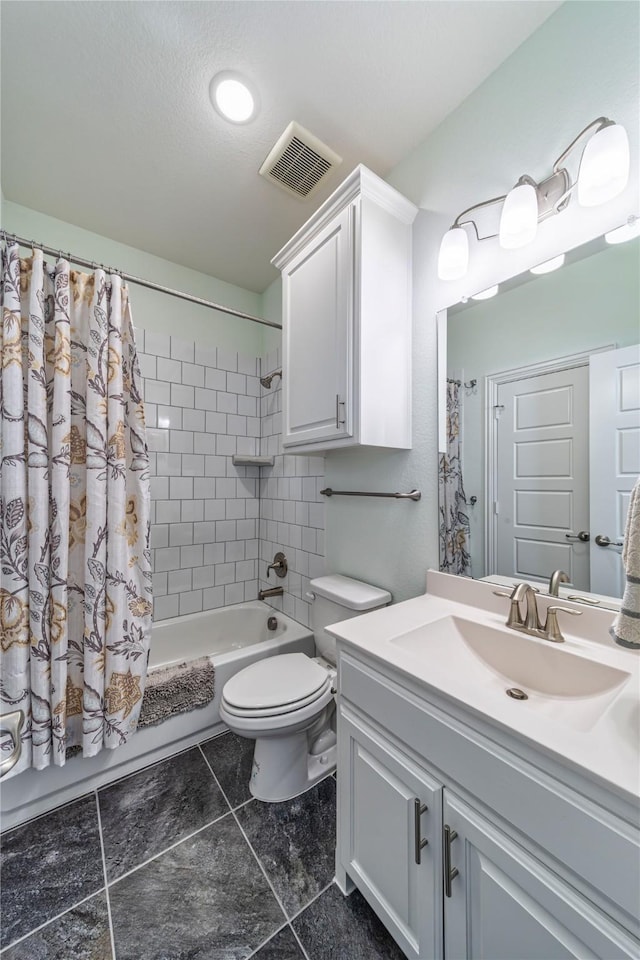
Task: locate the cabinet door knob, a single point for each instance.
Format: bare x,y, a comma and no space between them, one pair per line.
419,841
449,872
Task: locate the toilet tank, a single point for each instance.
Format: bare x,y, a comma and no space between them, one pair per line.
338,598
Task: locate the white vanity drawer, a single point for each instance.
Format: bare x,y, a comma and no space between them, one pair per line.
581,840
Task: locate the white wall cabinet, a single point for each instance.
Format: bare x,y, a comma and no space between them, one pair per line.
517,866
346,291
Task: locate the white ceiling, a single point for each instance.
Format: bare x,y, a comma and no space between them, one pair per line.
107,123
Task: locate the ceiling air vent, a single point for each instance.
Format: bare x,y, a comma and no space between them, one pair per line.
299,162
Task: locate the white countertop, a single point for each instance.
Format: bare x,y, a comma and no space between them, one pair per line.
600,735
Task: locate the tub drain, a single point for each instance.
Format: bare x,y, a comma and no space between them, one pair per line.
517,694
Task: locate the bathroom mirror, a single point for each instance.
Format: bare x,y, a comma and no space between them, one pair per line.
540,424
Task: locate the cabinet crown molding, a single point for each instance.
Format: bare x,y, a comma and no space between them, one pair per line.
362,182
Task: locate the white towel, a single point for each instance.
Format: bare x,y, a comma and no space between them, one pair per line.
626,626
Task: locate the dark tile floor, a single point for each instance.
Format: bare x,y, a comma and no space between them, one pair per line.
179,862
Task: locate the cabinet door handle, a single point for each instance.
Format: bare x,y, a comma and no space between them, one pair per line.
449,873
339,403
419,841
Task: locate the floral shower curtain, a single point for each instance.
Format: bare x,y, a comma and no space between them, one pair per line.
454,522
75,564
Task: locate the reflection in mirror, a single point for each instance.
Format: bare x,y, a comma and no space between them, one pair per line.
543,425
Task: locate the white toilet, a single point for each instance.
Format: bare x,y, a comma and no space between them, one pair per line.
287,702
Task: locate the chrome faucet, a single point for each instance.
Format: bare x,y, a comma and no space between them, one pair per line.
531,624
556,578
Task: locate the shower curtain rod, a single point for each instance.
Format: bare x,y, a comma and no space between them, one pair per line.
83,262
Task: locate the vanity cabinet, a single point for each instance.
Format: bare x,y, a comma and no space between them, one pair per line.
503,904
346,291
393,818
516,866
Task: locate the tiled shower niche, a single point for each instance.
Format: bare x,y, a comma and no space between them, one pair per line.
207,517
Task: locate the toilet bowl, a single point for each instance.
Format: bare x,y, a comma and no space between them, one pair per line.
287,702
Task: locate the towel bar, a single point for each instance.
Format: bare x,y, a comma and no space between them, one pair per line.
412,495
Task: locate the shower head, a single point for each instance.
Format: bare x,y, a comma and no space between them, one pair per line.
266,381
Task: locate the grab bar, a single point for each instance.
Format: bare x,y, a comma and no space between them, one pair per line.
11,723
412,495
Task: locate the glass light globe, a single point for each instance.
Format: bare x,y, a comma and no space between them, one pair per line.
519,218
486,294
453,259
628,231
604,167
549,265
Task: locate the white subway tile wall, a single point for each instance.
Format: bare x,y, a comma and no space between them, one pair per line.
204,531
215,527
291,508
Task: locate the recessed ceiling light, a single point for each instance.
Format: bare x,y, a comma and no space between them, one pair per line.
486,294
234,97
627,231
549,265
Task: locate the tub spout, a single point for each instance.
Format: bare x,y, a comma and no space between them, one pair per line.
271,592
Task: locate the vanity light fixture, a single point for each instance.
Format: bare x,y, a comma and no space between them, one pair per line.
549,265
486,294
233,96
519,217
628,231
453,259
603,174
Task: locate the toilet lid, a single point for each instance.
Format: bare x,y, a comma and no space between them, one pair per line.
281,710
275,682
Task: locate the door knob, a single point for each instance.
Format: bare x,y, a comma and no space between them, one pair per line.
604,541
584,536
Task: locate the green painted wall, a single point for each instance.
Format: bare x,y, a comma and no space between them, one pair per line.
152,310
581,64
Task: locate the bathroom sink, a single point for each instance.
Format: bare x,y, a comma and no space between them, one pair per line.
486,657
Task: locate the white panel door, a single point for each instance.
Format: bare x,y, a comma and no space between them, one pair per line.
542,475
504,904
392,806
614,461
318,334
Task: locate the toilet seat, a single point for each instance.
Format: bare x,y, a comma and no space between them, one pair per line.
276,711
279,684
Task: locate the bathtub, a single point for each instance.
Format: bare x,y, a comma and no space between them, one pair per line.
232,637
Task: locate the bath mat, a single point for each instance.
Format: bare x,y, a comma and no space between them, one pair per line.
177,689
